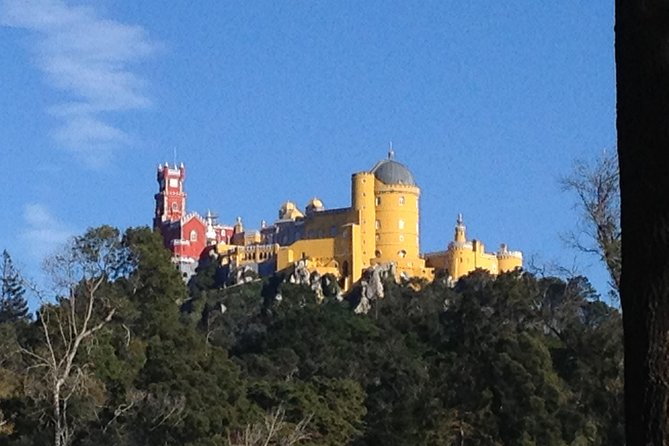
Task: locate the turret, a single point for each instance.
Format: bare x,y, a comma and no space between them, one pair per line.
460,230
362,200
210,232
508,260
238,233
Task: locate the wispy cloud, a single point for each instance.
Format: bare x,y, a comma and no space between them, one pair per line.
43,233
90,59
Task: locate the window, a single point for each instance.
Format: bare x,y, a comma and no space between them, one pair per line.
175,207
401,224
377,224
401,199
378,201
193,236
377,253
402,253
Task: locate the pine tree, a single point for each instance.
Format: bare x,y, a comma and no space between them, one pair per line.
13,305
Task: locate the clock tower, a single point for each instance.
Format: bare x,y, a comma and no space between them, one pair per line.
171,198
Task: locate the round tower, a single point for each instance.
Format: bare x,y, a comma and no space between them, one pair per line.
508,260
460,252
362,201
396,206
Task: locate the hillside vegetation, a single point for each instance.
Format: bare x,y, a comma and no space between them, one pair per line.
124,353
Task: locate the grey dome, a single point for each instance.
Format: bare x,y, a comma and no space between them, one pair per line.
390,171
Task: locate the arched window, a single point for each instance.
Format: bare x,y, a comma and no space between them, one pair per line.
193,235
378,201
402,253
377,224
377,253
401,224
175,207
402,199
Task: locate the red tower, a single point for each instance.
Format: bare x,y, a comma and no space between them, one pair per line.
171,198
188,236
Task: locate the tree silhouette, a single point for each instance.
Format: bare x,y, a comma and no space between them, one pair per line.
13,305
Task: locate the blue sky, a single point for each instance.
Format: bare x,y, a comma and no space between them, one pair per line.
488,103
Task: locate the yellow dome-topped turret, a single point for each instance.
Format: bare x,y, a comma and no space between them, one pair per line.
289,211
314,205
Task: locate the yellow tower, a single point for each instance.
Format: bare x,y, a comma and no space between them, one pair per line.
508,260
396,204
396,217
362,203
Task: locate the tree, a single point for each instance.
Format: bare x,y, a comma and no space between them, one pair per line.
80,273
274,430
186,391
597,187
642,74
13,305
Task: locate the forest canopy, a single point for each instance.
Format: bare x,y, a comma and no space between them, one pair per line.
122,352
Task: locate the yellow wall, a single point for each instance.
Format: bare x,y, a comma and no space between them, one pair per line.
462,261
327,224
318,252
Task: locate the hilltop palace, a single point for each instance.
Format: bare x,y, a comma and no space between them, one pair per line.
380,227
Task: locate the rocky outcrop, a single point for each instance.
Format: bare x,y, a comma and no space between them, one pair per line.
240,275
371,285
300,274
322,286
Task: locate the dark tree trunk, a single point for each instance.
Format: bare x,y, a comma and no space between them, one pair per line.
642,71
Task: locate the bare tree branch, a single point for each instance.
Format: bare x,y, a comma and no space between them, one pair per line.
596,185
78,272
274,430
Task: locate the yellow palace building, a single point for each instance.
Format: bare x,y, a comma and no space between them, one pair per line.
380,227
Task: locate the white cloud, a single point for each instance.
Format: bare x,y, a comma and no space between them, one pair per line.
89,59
43,233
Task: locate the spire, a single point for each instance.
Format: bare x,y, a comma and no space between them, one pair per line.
391,152
239,227
460,235
211,217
